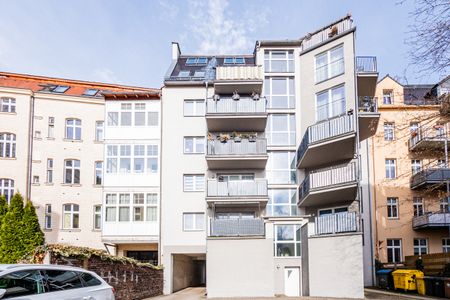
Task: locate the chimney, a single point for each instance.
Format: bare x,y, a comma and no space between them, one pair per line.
175,50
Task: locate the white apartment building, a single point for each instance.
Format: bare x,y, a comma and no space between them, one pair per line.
246,211
51,144
132,143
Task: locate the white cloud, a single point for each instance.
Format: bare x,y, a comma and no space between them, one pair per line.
105,75
219,30
169,9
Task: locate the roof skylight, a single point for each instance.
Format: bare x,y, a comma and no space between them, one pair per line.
196,61
90,92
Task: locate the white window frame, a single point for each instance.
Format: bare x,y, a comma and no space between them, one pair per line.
296,242
76,128
198,182
99,130
113,118
393,248
388,94
418,206
98,172
97,214
416,166
288,59
419,248
329,64
291,206
392,208
330,105
49,173
51,128
48,217
8,105
194,140
390,168
389,131
196,216
446,245
7,145
290,95
72,212
271,172
7,188
196,104
114,155
73,169
290,132
113,203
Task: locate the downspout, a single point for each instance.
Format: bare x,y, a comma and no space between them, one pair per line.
30,148
370,214
160,178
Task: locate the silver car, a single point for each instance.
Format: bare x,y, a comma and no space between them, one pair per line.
52,282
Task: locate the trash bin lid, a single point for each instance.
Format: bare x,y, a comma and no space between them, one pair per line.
384,271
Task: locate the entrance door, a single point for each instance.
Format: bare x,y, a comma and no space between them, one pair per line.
292,281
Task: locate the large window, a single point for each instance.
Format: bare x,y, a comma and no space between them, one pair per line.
329,64
193,221
389,131
98,172
420,246
418,206
194,108
194,183
390,169
73,129
330,103
194,144
394,250
113,118
282,202
99,131
71,216
7,188
132,159
125,114
8,105
279,61
392,208
7,145
287,240
280,130
72,171
416,166
136,207
280,92
281,167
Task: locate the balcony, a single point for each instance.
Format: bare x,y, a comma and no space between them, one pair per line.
246,79
435,177
434,220
326,142
245,114
368,116
231,154
344,222
367,75
236,227
429,139
243,192
329,185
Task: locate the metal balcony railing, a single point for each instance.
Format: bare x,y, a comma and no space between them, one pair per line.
432,219
437,134
324,131
368,104
239,73
328,177
337,223
366,64
238,188
327,33
234,148
435,175
243,106
236,227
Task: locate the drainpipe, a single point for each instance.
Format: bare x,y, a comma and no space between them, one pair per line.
370,214
30,148
160,177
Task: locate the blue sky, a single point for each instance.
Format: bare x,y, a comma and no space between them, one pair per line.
128,41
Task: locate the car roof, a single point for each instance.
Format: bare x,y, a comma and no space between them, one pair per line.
5,267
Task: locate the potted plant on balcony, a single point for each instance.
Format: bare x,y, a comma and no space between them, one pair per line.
211,137
235,96
224,137
255,96
252,138
333,31
216,97
236,137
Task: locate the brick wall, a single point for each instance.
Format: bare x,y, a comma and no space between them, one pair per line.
131,282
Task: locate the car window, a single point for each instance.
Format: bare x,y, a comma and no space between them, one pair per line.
22,283
89,280
57,280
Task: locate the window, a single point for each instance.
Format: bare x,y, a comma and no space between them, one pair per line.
420,246
279,61
89,280
35,179
124,207
37,134
97,217
330,103
71,216
194,183
194,108
234,61
153,118
8,105
446,245
441,163
281,167
152,158
194,144
58,280
48,216
389,131
143,207
139,114
51,127
98,172
287,240
193,221
199,74
329,64
60,89
390,168
22,283
7,145
72,171
111,209
414,127
184,73
99,131
138,209
152,207
125,114
388,97
392,208
394,250
196,61
418,206
282,202
73,129
125,158
280,130
280,92
144,256
416,166
143,158
443,205
113,118
7,188
90,92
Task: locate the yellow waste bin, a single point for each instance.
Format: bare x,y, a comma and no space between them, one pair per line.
407,279
420,283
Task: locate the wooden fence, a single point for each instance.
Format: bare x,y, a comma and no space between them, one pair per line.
433,263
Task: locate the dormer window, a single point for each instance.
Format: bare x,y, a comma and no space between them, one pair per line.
196,61
234,61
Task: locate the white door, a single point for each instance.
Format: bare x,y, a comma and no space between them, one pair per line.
292,281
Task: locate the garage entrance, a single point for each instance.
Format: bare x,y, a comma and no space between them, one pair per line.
188,270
